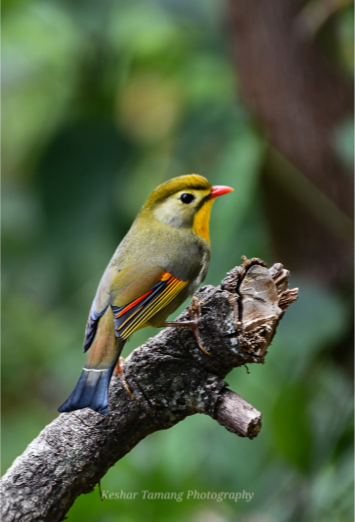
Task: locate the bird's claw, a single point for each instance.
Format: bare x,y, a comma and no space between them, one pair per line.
195,319
119,370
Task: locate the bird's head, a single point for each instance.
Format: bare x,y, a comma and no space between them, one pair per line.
185,202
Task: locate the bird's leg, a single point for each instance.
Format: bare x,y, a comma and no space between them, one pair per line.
119,370
195,320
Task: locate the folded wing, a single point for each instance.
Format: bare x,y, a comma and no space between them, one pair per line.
135,295
137,313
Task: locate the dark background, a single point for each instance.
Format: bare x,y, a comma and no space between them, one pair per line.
104,100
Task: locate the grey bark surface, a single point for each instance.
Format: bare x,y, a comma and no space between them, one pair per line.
170,378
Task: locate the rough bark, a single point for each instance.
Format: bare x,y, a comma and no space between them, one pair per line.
170,378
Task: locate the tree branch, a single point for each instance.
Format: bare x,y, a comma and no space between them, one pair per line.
171,378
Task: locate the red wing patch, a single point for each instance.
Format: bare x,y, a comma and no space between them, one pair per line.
132,304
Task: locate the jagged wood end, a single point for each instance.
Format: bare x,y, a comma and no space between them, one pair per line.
237,415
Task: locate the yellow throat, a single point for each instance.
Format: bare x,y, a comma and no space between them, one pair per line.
202,220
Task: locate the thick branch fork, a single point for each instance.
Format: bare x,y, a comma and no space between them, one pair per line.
170,378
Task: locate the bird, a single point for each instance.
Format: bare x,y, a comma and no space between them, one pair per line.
162,260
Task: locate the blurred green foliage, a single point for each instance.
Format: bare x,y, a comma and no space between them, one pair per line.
102,102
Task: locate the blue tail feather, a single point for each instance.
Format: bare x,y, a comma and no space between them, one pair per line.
91,391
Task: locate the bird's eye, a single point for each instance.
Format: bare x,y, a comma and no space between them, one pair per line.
187,198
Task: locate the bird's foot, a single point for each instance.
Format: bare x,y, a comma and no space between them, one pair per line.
193,324
119,370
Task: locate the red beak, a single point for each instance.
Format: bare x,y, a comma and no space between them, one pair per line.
219,190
